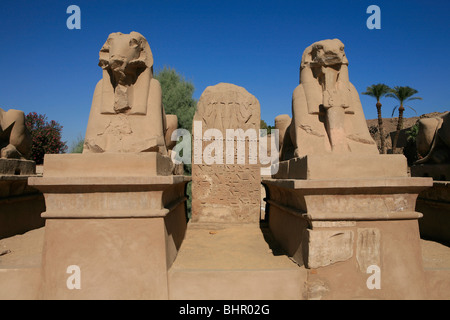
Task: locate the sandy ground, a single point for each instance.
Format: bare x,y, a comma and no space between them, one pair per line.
22,250
238,247
26,250
435,255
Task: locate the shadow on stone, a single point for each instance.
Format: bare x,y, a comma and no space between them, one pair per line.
276,248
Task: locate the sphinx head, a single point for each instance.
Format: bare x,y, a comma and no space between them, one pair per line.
325,53
125,56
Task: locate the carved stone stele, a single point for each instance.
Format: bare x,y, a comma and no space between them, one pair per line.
226,191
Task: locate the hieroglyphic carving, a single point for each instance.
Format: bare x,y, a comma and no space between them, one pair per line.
227,106
326,247
368,248
226,191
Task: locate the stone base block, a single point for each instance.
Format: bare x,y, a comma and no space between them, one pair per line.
371,260
17,167
107,165
342,166
19,283
117,258
113,223
236,284
20,214
434,204
346,230
20,205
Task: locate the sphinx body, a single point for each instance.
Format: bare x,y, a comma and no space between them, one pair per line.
15,139
127,114
433,140
327,115
282,123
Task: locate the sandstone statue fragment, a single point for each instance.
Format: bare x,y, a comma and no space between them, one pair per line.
282,123
15,139
327,115
171,126
127,114
433,140
20,205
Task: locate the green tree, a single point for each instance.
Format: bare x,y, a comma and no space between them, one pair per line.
177,96
177,99
410,150
263,125
45,136
378,91
402,95
77,146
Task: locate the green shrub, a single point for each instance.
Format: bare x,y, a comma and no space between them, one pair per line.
46,136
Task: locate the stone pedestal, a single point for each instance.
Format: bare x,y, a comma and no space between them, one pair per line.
20,204
434,203
119,218
343,166
339,228
16,167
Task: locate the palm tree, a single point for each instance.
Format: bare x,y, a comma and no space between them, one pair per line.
402,95
378,91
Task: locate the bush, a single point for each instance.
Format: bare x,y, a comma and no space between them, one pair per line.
177,96
77,146
410,150
46,136
178,100
263,125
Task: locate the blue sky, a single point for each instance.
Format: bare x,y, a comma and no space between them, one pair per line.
52,70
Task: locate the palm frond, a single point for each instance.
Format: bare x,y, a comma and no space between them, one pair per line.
392,95
395,108
368,93
412,109
403,94
377,90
